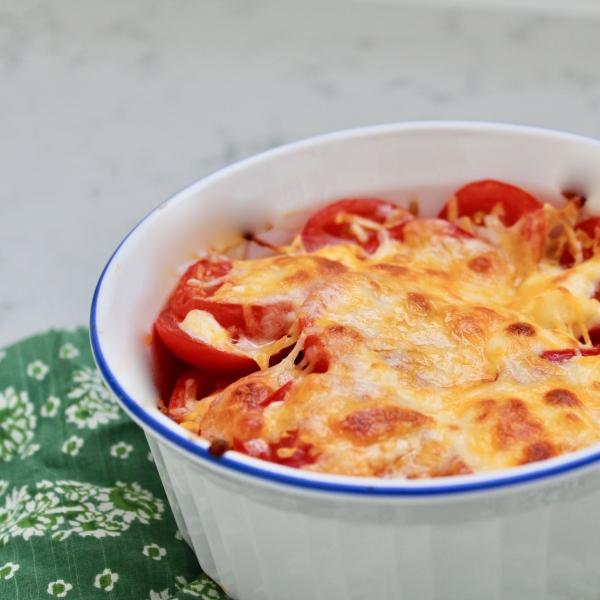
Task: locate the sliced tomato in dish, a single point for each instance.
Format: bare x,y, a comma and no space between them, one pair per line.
483,196
240,308
277,395
198,285
336,223
166,366
432,227
197,352
196,384
594,334
589,227
289,450
561,356
245,297
196,289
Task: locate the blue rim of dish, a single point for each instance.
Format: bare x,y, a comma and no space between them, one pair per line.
293,480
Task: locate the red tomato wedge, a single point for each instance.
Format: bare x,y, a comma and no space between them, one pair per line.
196,352
261,316
166,367
196,287
590,227
333,225
289,451
560,356
595,335
277,395
250,306
483,196
196,384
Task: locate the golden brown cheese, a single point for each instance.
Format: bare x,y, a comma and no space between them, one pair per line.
423,359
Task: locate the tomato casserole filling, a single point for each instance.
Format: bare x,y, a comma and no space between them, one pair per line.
379,343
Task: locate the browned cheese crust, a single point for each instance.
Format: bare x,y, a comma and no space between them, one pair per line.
425,358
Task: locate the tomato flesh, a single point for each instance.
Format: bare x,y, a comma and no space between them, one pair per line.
324,227
483,196
438,227
300,456
194,291
196,384
560,356
196,352
277,395
589,226
166,366
594,334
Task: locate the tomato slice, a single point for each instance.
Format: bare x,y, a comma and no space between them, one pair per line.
589,226
250,307
289,451
198,285
196,352
595,335
196,384
433,227
166,367
328,227
560,356
277,395
482,196
251,303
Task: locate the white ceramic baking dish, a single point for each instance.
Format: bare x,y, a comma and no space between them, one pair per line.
268,531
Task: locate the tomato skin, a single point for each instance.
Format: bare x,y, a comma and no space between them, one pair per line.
186,297
484,195
560,356
301,457
589,226
315,353
277,395
203,384
595,335
195,352
248,320
182,393
438,227
166,367
321,229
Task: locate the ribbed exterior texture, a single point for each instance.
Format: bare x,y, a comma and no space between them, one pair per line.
261,544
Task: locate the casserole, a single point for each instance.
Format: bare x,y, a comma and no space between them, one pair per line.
263,530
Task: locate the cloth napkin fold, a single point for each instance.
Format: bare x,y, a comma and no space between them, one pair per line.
83,514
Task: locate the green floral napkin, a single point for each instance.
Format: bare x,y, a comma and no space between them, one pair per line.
83,514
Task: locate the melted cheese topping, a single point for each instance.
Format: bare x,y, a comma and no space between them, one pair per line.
423,359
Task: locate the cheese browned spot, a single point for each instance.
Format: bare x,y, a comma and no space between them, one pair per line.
538,451
516,424
427,358
380,422
561,397
481,264
521,329
418,303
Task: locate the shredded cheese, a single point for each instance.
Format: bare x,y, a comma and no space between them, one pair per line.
426,358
